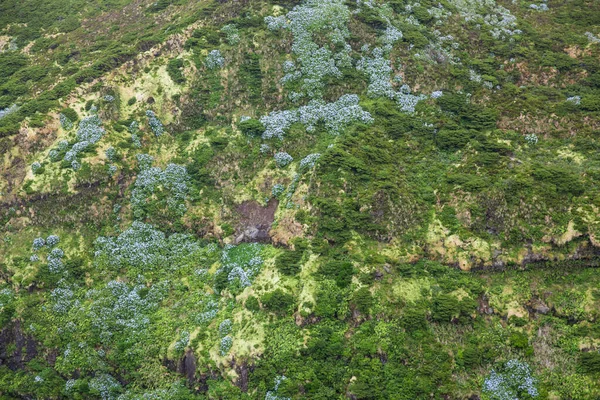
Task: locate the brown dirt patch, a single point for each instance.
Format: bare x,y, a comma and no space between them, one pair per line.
255,221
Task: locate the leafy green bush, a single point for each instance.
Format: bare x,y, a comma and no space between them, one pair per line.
445,308
288,263
252,127
563,180
70,113
252,304
10,63
362,300
589,362
340,271
174,69
278,302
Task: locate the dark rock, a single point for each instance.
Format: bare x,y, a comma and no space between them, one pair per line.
189,365
539,307
242,381
16,348
484,305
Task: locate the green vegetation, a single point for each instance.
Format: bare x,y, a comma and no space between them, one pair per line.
312,199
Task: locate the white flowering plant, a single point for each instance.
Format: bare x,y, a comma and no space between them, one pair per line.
512,381
156,186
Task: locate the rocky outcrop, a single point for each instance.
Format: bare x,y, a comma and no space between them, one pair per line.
16,347
255,221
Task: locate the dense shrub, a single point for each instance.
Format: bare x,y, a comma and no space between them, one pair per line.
589,362
278,301
288,263
174,68
340,271
251,127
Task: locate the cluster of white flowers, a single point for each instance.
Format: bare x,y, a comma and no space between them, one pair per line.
309,161
63,145
241,263
52,240
326,18
141,246
105,385
211,308
407,101
531,138
54,155
214,60
135,140
38,243
515,378
539,7
110,153
62,299
225,327
183,341
276,23
120,307
155,125
174,179
272,394
499,20
7,296
574,99
89,132
474,76
335,116
592,38
436,94
439,52
232,33
225,345
379,69
109,98
8,110
390,36
282,159
55,256
278,122
65,122
35,167
55,263
134,127
277,190
70,384
264,148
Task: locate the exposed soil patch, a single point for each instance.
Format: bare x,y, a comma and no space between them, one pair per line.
255,221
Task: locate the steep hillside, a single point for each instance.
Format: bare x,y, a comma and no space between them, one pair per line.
300,199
